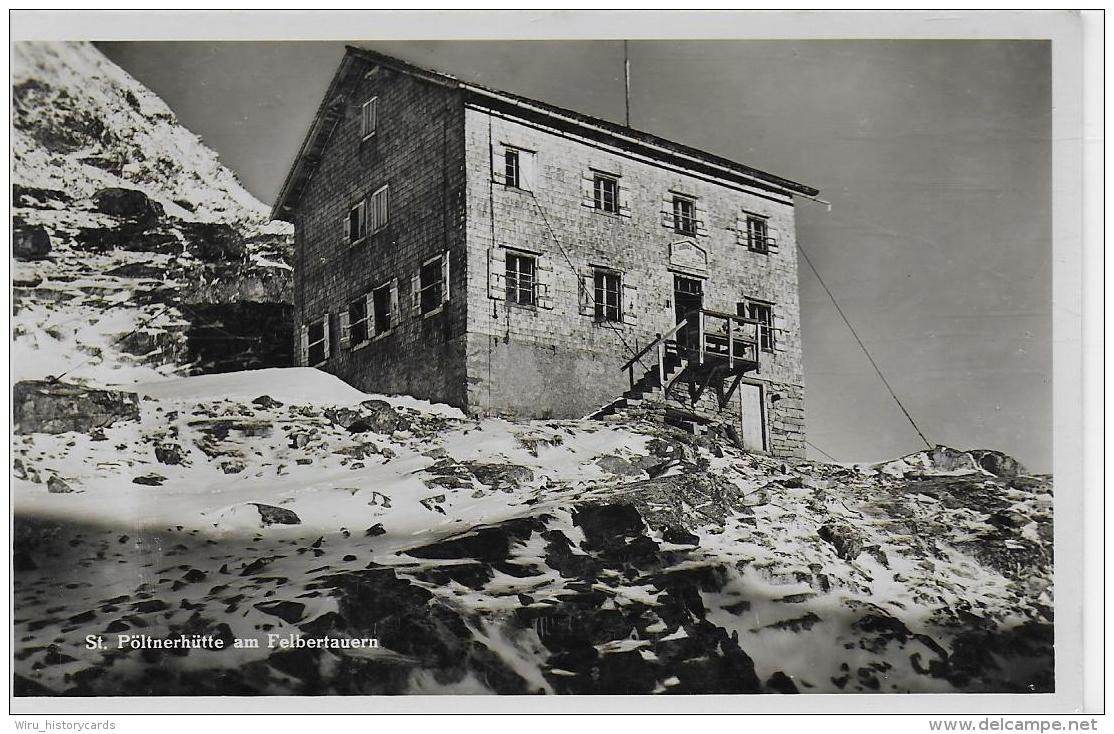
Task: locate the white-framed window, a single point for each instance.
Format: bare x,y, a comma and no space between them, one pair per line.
521,279
605,194
758,234
608,295
512,168
314,339
429,289
380,206
684,215
357,222
762,312
369,118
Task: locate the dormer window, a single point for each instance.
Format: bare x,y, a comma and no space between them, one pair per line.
368,118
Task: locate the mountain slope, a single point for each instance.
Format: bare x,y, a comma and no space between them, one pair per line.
138,255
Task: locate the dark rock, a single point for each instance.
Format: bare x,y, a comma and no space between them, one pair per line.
483,544
374,530
128,204
56,485
151,480
267,402
150,605
997,463
34,198
145,271
271,515
194,576
287,611
844,538
232,466
605,525
680,536
500,477
131,237
30,243
380,417
168,453
779,682
213,242
42,406
256,566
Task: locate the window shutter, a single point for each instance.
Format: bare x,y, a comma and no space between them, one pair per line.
325,322
702,223
445,277
777,329
771,237
396,315
498,163
416,294
496,274
543,274
588,190
630,304
527,173
587,294
667,211
369,310
345,329
303,345
624,200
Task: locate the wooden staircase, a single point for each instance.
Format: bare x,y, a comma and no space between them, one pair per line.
700,356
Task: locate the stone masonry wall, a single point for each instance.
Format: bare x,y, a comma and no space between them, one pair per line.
555,360
418,151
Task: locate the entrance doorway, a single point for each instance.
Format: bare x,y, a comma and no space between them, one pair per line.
752,417
688,296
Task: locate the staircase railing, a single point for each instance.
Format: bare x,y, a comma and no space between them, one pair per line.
728,338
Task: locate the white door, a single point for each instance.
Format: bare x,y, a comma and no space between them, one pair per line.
753,417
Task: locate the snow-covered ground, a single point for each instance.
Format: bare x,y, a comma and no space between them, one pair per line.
676,563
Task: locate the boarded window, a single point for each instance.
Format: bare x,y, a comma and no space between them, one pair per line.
381,304
512,169
606,194
608,296
369,114
521,279
684,215
758,235
380,209
318,341
357,223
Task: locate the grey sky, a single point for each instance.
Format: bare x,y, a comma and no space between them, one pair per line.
936,156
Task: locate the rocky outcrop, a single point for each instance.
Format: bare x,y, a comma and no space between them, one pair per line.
41,406
30,243
128,204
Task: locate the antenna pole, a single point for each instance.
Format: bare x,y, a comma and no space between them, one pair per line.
626,81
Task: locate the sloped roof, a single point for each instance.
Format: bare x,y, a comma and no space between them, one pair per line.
514,105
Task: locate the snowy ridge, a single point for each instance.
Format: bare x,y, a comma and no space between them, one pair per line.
82,123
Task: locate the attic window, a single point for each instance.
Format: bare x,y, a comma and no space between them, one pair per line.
369,114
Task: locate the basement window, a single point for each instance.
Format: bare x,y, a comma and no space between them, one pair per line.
684,215
608,295
369,115
357,223
521,279
606,194
758,235
317,342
